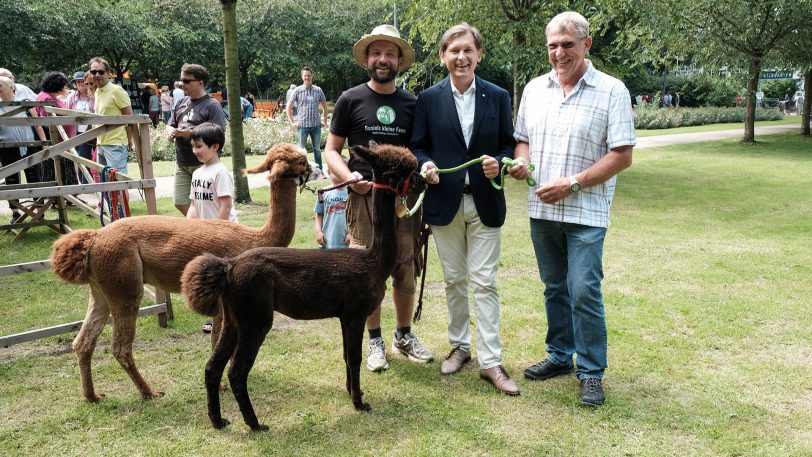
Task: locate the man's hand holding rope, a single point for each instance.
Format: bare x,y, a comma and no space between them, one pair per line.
362,186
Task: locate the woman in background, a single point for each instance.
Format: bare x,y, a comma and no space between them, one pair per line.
82,100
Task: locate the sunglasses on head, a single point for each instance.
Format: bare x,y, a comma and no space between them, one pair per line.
187,81
97,72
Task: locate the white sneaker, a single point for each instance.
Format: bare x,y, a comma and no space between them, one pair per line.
376,361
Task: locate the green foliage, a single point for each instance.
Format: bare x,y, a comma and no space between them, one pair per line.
651,117
779,88
154,38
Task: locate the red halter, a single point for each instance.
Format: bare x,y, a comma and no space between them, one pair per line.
402,191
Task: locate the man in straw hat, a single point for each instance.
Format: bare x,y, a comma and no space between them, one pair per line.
378,110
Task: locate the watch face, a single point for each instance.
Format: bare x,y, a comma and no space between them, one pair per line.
575,187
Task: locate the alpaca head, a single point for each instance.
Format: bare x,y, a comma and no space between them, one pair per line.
286,160
393,167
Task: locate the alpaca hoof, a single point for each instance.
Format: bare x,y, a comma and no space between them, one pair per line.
259,428
221,424
363,407
93,398
223,387
153,394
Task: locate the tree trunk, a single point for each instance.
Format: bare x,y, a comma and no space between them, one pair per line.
241,190
519,41
807,102
750,110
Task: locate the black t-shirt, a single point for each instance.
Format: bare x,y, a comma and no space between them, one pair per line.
361,114
191,113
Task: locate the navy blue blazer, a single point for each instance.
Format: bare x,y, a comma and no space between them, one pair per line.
437,137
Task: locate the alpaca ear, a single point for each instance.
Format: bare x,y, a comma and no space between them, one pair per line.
258,169
362,152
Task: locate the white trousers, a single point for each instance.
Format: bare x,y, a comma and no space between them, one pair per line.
469,252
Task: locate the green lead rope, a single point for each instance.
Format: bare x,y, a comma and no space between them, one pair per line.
506,163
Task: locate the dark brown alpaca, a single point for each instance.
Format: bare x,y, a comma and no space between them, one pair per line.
119,259
303,284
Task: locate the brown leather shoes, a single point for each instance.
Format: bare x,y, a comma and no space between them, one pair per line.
500,379
455,360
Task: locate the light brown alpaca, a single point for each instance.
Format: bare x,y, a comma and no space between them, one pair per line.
119,259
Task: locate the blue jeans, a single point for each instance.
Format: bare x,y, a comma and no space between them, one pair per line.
315,138
114,156
570,261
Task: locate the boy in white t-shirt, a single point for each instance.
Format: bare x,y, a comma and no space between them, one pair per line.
212,188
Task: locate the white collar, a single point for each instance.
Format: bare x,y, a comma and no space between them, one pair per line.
456,91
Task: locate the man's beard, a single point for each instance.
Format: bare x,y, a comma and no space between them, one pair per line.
388,77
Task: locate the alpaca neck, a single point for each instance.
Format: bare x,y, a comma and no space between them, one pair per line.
384,234
278,230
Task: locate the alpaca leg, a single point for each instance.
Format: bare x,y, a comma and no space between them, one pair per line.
344,337
353,333
85,342
214,372
123,337
216,327
248,346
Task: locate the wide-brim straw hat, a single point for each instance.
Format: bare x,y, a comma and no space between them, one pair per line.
388,33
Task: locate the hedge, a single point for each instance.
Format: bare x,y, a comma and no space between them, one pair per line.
650,117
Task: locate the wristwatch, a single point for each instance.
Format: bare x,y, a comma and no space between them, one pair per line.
575,186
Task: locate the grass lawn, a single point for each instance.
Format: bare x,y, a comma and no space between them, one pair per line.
714,127
707,294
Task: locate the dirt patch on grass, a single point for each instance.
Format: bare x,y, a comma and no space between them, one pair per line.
56,347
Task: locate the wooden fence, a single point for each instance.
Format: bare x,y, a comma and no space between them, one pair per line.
54,194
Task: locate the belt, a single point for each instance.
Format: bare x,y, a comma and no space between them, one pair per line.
466,189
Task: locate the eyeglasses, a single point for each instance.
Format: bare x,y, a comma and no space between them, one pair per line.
97,72
187,81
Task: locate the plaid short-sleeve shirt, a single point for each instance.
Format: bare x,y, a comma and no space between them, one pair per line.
307,101
566,135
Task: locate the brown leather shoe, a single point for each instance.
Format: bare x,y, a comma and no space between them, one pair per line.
455,360
500,379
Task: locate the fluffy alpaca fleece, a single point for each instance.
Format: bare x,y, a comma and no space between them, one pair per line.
117,260
300,283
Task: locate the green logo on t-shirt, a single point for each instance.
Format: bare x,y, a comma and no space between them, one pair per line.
386,115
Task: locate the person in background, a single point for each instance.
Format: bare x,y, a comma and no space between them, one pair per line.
331,216
82,100
194,109
111,100
247,108
154,105
166,104
250,97
177,94
569,208
307,98
464,210
799,103
22,92
54,88
8,93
